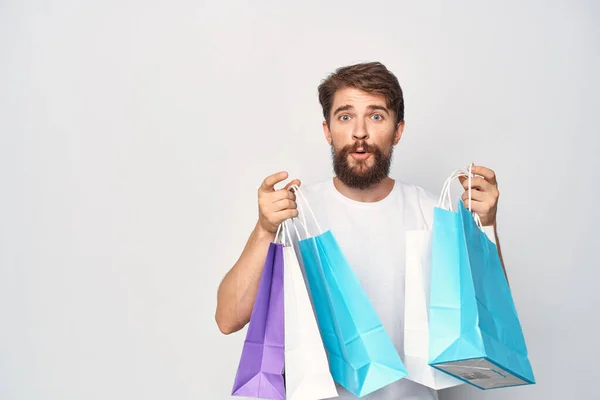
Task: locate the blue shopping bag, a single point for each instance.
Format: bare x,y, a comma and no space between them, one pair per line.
475,333
362,357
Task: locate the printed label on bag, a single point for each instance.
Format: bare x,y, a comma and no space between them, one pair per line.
474,375
482,373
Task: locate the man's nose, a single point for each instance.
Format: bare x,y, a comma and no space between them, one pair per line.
360,131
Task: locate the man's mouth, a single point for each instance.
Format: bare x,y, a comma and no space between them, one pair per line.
360,154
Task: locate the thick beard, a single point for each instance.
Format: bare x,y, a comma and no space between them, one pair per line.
354,178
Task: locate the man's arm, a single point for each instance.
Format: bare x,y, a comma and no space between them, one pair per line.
237,291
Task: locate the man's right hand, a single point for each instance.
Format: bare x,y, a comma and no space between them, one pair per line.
238,289
275,206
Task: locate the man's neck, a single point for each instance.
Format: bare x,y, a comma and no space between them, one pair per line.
375,193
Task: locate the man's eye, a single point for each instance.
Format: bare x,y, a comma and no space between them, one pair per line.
377,117
345,118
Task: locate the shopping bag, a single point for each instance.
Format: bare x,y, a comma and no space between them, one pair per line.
307,375
475,333
416,314
362,357
261,367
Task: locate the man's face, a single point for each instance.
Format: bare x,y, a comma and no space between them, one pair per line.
362,133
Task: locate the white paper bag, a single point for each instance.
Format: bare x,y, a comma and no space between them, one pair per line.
307,375
416,318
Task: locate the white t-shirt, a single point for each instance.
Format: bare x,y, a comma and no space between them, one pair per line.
372,237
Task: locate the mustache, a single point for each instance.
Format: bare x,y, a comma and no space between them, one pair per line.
361,178
351,148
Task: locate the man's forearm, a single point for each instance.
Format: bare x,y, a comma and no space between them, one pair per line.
237,291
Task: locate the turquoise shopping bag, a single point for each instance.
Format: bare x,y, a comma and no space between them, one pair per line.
362,357
475,333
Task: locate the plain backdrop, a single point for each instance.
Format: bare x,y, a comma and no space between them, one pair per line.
134,134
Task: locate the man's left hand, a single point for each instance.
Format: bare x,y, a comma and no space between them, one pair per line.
484,194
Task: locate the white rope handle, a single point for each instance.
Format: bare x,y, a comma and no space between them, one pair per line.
300,196
299,220
291,245
286,238
281,229
287,232
295,228
446,196
470,170
293,222
277,238
475,215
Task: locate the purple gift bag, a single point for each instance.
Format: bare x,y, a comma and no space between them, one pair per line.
260,372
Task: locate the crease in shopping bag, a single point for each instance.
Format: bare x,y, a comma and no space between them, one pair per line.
260,371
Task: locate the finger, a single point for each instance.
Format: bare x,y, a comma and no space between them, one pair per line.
294,182
479,207
268,185
478,184
279,195
487,173
286,214
283,205
476,195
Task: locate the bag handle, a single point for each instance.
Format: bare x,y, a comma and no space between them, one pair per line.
285,238
300,198
445,200
279,240
285,227
445,196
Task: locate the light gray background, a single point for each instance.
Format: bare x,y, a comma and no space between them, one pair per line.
133,136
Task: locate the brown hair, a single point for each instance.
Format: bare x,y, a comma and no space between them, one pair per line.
371,77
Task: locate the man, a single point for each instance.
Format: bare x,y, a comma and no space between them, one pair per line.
368,211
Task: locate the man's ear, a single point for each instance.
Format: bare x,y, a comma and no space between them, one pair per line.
327,133
398,133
